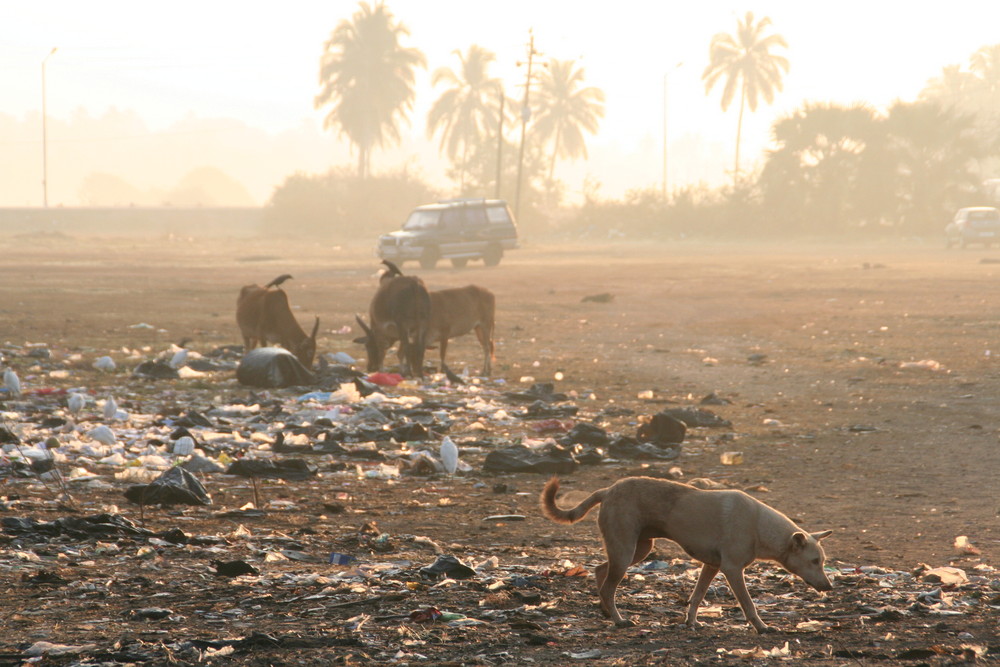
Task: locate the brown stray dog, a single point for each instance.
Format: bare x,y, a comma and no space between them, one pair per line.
725,530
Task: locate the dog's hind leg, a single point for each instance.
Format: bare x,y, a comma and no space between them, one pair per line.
734,575
708,573
600,574
610,574
642,549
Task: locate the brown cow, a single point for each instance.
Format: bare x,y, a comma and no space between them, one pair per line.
263,313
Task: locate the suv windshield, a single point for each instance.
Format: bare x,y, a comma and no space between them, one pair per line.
421,220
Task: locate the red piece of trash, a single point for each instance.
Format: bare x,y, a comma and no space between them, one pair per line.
551,426
425,615
385,379
46,391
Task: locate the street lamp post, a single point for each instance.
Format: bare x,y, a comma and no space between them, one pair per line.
525,116
45,139
499,144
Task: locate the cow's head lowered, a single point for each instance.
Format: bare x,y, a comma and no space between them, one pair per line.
400,310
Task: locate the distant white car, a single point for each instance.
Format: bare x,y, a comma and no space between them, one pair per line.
976,224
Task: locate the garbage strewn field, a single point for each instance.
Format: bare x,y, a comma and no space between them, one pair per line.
153,510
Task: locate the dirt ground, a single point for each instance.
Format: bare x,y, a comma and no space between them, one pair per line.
812,345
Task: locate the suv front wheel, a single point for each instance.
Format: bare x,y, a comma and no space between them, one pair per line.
429,259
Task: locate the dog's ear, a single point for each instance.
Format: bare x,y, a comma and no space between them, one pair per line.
799,540
820,536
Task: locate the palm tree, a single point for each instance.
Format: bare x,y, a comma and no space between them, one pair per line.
566,109
367,78
745,60
467,112
985,64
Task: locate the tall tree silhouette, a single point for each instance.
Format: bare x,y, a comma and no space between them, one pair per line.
467,112
745,61
566,109
366,76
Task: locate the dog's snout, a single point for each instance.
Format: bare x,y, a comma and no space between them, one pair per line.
823,586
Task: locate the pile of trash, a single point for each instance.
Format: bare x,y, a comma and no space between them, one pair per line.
235,566
139,424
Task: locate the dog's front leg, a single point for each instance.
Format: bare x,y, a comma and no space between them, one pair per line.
734,575
708,573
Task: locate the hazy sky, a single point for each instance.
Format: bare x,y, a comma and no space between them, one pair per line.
258,62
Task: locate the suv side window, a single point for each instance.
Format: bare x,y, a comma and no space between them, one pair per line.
451,219
497,214
475,216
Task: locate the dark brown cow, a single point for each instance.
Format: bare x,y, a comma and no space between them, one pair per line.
400,310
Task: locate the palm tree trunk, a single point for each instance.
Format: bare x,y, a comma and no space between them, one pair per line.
555,152
739,132
465,166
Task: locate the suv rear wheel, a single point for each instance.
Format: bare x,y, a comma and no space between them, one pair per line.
430,258
493,255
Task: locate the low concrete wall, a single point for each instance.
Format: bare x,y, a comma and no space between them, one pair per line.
155,222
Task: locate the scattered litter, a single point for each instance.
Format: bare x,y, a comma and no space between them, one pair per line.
234,568
272,367
592,654
662,427
105,364
449,455
948,576
269,468
341,559
447,565
923,364
714,399
176,486
965,547
697,417
156,370
384,379
731,458
550,459
39,649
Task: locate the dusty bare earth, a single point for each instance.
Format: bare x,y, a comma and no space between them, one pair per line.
809,344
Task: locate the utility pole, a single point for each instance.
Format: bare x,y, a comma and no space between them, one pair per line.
525,116
499,145
45,139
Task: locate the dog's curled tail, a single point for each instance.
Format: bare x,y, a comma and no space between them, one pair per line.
553,512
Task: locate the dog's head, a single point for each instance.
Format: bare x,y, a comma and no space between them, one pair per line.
804,557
